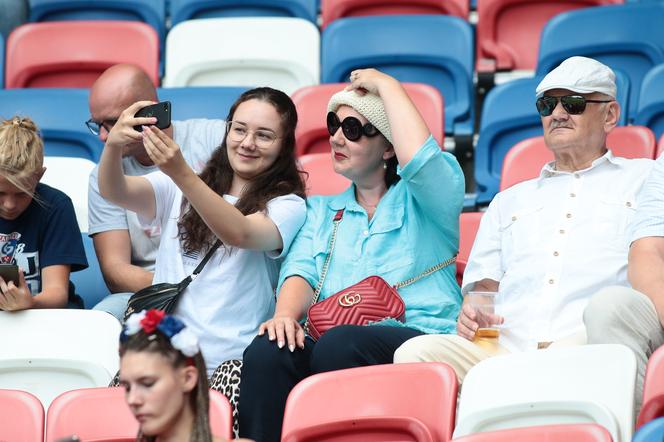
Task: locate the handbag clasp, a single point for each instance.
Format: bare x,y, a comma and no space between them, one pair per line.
349,299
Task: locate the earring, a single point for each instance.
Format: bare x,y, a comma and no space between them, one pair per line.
385,165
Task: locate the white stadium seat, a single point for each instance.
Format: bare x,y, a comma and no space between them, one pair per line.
70,175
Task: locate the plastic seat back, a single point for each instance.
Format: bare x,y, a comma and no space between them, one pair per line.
22,417
60,115
311,133
548,433
581,384
90,284
508,31
660,146
74,54
334,9
2,61
102,414
469,224
56,350
424,392
651,101
71,175
266,51
435,50
200,102
182,10
634,45
320,177
651,432
525,160
653,389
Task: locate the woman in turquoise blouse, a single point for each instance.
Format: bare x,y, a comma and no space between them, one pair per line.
400,218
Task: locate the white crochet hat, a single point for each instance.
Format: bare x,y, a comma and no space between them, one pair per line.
581,75
370,106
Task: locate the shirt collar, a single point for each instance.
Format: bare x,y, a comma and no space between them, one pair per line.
549,169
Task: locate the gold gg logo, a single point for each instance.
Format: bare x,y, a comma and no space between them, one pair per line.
349,299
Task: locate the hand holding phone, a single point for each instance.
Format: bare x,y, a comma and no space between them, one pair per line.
161,111
9,272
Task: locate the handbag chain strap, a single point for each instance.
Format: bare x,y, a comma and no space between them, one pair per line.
206,258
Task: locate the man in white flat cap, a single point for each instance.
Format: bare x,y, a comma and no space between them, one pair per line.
547,244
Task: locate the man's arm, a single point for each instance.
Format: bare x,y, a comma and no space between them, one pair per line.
646,270
113,248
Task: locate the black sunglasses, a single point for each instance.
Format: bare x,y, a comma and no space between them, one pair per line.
351,127
573,104
95,126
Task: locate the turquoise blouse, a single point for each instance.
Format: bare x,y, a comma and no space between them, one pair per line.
415,226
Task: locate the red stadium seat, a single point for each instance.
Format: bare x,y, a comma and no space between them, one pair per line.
101,414
653,389
311,133
469,224
22,417
321,178
508,31
334,9
383,402
544,433
73,54
525,159
660,147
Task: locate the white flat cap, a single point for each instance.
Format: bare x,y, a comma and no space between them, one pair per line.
581,75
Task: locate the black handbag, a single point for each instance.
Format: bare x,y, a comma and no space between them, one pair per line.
165,296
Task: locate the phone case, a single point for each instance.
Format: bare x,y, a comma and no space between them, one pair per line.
160,110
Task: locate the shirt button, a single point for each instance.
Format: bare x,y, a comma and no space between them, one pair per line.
365,232
576,175
556,253
551,281
572,194
562,232
628,204
514,218
569,215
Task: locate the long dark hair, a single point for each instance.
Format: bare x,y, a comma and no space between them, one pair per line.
282,178
199,398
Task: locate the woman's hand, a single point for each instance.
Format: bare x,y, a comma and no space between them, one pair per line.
163,151
285,330
369,80
123,131
14,298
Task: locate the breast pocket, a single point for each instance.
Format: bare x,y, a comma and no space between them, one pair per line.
613,217
521,231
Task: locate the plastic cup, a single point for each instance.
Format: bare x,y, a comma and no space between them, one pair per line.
484,304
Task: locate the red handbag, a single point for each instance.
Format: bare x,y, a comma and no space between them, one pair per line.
370,300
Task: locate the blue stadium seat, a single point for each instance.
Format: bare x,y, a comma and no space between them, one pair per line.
653,431
2,61
651,102
182,10
60,114
200,102
90,283
436,50
628,37
509,116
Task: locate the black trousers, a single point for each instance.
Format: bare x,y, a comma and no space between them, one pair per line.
269,372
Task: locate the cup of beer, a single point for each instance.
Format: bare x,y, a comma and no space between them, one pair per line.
484,304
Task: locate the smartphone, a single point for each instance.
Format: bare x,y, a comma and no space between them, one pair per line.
9,272
162,111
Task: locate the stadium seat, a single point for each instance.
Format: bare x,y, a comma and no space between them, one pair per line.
434,49
469,224
335,9
2,61
651,432
653,389
320,177
547,433
660,146
22,417
509,116
525,159
71,175
73,54
266,51
651,101
182,10
89,282
311,133
102,414
56,350
373,404
626,37
200,102
147,11
563,385
60,115
508,31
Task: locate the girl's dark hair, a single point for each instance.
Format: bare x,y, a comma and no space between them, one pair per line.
391,176
199,398
282,178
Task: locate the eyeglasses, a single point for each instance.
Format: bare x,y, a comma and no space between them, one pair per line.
351,127
237,132
95,126
573,104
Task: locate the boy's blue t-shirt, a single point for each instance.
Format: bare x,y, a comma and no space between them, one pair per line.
45,234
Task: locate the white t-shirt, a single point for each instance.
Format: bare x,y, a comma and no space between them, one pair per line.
235,291
197,138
